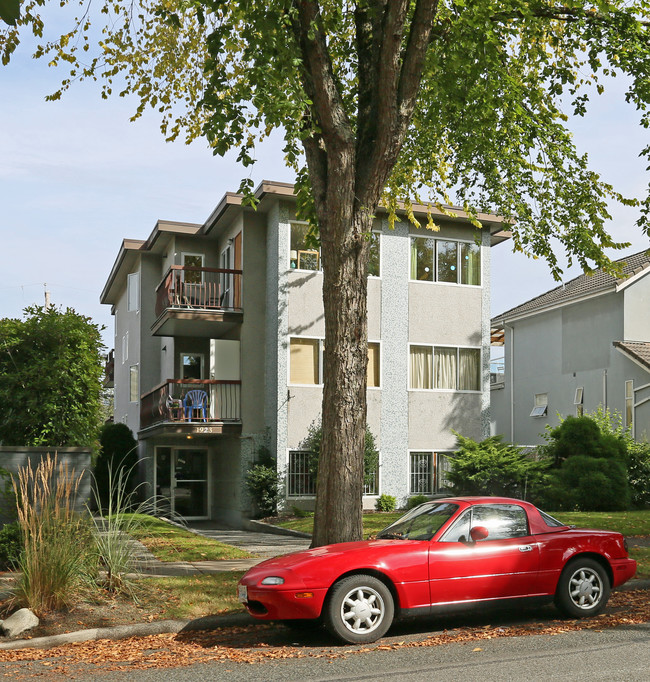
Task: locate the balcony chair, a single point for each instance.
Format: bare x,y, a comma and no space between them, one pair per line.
196,400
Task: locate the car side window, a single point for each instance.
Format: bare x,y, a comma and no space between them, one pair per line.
502,521
459,530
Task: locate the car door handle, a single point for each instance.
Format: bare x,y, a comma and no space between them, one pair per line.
526,548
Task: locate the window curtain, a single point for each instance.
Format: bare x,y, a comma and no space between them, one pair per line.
444,369
414,258
304,361
373,365
420,367
469,374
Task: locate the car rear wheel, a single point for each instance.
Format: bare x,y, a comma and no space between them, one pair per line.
583,588
360,609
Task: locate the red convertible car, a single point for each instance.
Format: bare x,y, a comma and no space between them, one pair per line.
446,553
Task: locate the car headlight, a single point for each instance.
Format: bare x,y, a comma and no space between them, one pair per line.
273,580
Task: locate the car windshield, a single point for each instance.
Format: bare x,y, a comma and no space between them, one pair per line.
421,523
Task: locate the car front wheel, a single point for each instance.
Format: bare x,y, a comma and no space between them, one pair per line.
360,609
583,589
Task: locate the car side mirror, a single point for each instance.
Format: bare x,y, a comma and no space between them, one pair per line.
478,533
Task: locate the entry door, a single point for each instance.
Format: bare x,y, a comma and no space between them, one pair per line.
182,482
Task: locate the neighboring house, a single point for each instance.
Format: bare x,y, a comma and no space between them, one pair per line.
579,346
233,309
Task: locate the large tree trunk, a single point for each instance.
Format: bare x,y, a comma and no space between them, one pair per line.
338,516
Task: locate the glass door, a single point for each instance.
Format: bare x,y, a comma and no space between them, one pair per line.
182,482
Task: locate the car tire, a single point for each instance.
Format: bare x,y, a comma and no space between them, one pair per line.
583,588
359,610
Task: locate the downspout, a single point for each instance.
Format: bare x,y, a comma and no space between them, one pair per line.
604,390
511,354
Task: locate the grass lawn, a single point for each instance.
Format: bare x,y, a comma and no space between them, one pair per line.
189,597
628,523
168,542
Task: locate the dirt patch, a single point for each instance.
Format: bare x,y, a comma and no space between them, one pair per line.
105,611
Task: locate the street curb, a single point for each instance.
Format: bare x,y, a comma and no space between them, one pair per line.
175,626
136,630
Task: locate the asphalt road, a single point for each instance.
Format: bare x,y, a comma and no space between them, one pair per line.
622,653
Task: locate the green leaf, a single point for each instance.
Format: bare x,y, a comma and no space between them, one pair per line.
10,11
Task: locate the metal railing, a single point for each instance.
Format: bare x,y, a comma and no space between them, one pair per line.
199,289
167,402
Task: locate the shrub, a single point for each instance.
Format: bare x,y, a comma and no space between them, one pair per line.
491,467
58,561
638,463
386,503
11,545
119,453
584,436
263,483
416,500
590,484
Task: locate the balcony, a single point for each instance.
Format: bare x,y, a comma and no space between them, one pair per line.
164,411
199,302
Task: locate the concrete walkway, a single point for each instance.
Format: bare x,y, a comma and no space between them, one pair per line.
262,545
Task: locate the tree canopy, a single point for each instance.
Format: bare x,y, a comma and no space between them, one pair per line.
380,101
50,379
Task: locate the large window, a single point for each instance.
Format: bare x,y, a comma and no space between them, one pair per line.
428,472
301,255
442,260
306,362
191,366
193,260
374,260
629,404
133,294
300,481
374,365
445,368
133,383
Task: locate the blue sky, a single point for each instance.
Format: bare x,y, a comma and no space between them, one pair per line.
76,177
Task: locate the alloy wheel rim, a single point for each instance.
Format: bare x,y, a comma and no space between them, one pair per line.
585,588
362,610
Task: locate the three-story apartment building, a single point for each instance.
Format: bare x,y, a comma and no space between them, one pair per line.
219,336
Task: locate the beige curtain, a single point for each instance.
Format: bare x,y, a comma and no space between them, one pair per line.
469,374
303,361
373,365
444,368
420,357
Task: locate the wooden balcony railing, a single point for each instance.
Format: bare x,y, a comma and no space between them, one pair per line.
199,289
166,403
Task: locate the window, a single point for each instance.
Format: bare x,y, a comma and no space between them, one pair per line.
577,401
421,473
133,383
445,368
133,294
443,260
304,361
503,521
374,367
125,347
192,260
428,472
302,256
191,366
374,260
300,481
540,407
629,404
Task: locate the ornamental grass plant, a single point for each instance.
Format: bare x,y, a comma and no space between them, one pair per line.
58,563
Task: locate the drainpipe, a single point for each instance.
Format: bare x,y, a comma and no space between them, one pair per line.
511,355
604,389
